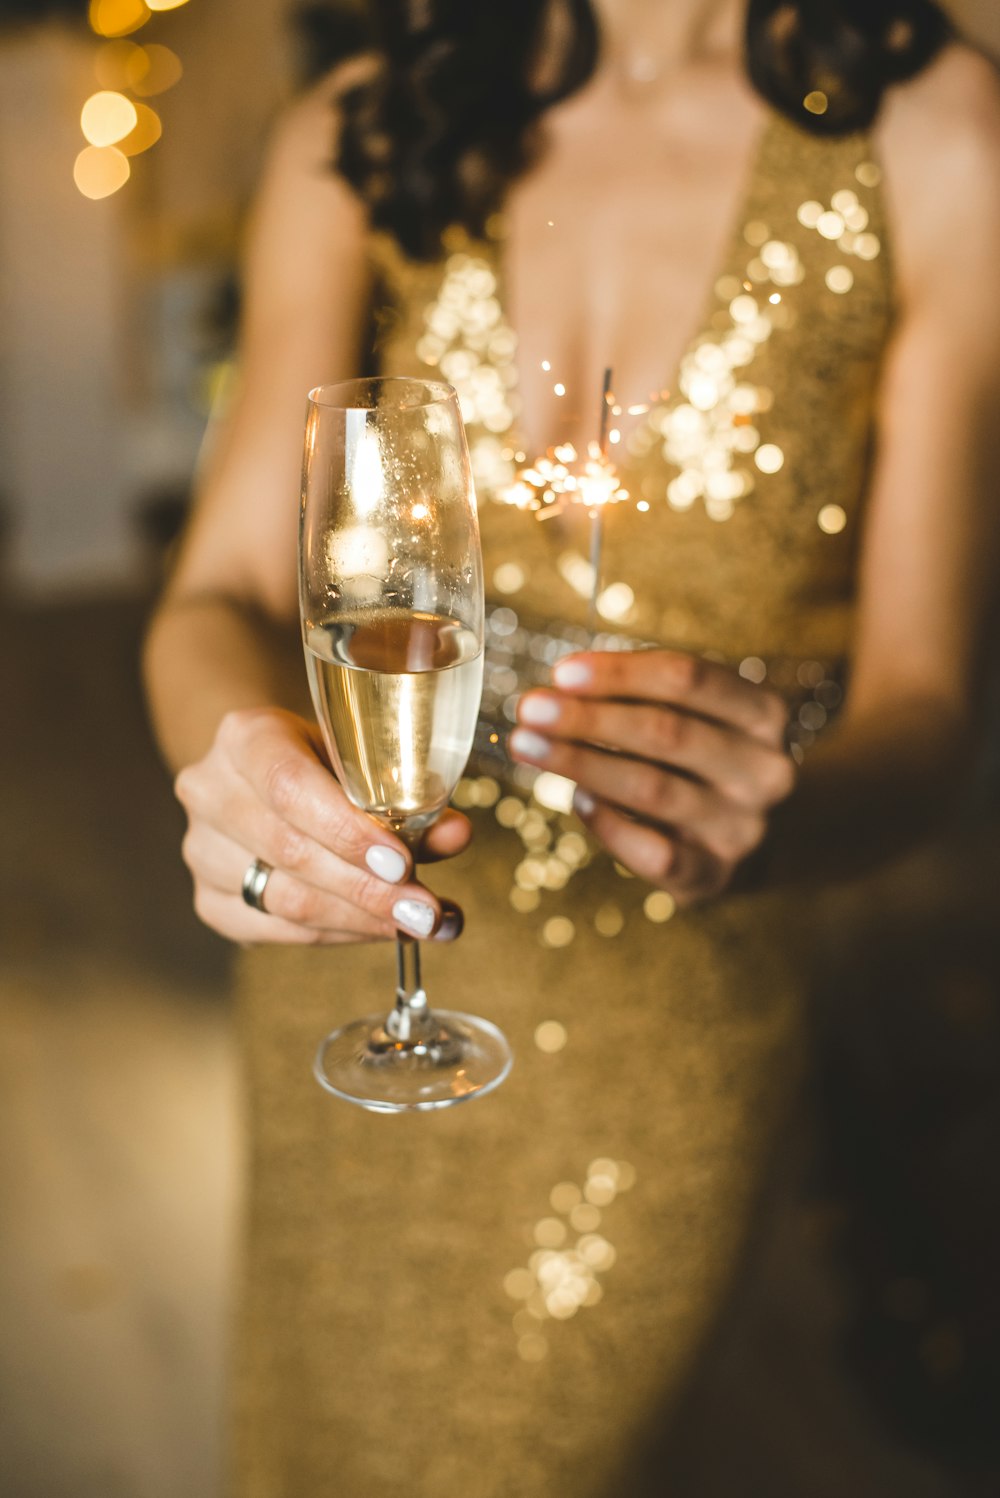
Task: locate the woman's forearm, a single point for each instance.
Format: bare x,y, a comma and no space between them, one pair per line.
208,654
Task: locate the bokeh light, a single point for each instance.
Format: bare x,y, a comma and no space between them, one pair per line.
111,64
840,278
152,70
146,132
100,170
832,519
107,117
110,119
550,1035
118,17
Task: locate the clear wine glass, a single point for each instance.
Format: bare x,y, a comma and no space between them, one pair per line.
391,599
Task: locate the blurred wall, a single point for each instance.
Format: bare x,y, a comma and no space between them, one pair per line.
61,271
100,301
982,18
237,59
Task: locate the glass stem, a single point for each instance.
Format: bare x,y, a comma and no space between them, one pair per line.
411,1019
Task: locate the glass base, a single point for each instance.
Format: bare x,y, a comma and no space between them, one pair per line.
459,1058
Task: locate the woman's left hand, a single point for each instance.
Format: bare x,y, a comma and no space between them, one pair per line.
677,761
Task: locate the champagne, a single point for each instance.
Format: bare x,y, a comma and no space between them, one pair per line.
397,696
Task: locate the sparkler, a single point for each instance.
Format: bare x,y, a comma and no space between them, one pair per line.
562,477
597,511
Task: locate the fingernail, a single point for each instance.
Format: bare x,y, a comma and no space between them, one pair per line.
531,745
386,863
414,915
450,927
583,802
571,674
540,710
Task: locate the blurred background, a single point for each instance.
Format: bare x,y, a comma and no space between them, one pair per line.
862,1355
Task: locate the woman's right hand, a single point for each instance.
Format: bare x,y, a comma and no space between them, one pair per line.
265,791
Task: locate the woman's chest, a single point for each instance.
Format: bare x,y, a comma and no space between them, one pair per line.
608,256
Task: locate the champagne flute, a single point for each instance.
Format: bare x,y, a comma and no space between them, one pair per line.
391,601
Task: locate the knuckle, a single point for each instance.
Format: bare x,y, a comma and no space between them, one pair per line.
185,783
233,727
665,796
775,713
291,935
650,724
780,779
733,839
283,784
189,848
204,907
677,729
754,834
663,861
724,841
666,729
352,832
685,672
311,936
739,792
290,848
646,789
299,904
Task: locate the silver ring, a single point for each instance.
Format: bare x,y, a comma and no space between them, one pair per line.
255,883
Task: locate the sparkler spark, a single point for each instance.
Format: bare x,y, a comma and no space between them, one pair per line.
561,477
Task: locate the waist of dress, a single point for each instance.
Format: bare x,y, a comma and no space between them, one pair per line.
520,653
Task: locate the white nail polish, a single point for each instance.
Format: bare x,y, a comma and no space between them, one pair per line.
414,915
531,745
540,710
583,802
386,863
571,674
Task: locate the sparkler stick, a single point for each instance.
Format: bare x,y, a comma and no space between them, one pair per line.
597,514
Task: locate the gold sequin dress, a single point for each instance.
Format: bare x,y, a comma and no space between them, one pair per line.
507,1298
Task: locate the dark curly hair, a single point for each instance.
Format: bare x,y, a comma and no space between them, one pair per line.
448,120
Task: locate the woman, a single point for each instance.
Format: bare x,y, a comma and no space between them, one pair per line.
814,360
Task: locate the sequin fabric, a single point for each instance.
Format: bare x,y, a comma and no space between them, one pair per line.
507,1298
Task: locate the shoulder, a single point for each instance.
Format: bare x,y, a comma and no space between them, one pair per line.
939,140
308,227
948,116
306,133
302,195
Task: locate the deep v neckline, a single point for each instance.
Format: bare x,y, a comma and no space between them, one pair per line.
707,303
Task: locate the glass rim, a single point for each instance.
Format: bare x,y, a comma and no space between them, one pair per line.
330,396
